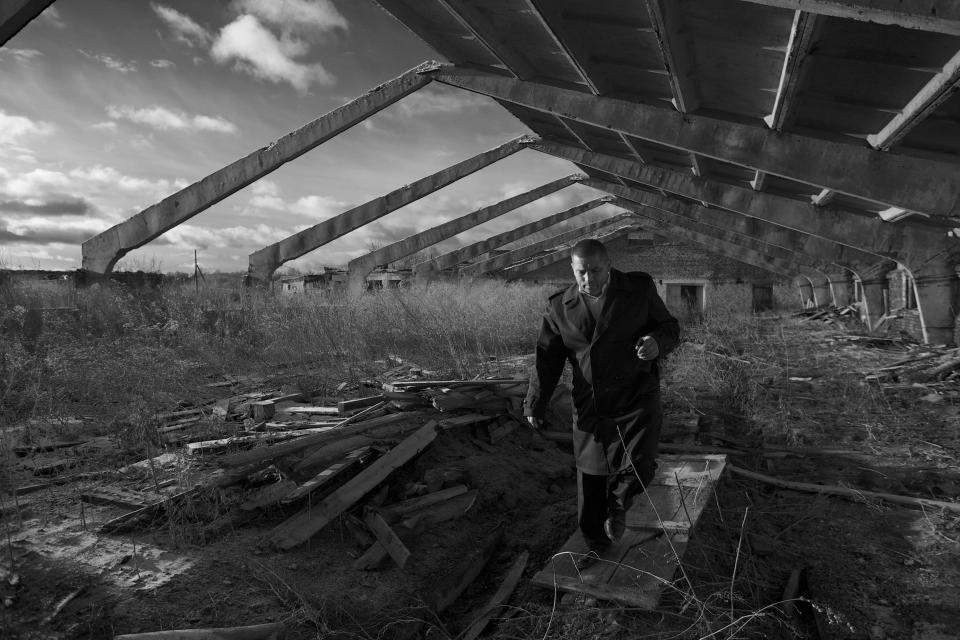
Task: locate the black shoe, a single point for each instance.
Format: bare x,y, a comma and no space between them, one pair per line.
599,544
596,547
615,525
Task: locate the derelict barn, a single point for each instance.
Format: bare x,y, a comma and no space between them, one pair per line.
745,147
816,141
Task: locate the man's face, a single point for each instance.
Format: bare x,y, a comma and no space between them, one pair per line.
591,272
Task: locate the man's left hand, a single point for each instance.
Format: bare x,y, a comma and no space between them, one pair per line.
647,348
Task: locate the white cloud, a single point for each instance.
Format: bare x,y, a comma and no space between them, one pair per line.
162,64
13,128
102,175
268,202
109,125
431,100
110,62
87,183
184,28
318,207
34,183
295,16
164,119
22,55
260,53
266,195
249,238
265,187
51,16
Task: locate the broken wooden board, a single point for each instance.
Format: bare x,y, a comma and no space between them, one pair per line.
634,570
410,385
499,598
271,631
352,462
49,466
116,497
386,538
46,447
347,406
399,509
240,442
276,451
678,492
308,410
451,506
305,524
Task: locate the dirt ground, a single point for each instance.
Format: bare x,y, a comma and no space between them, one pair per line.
871,570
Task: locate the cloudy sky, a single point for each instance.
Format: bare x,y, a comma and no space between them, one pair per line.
107,106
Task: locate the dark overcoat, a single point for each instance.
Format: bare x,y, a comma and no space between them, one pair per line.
615,394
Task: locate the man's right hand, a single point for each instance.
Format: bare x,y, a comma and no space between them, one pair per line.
536,423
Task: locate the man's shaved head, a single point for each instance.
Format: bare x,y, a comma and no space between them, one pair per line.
593,249
591,266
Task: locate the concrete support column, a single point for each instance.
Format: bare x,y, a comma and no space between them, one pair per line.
806,291
934,285
839,287
873,288
821,288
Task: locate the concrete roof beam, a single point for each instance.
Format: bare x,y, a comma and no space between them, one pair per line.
504,260
101,252
16,14
360,267
513,273
940,16
898,242
265,261
915,184
477,249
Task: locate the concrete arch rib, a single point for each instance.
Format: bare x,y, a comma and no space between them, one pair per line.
101,252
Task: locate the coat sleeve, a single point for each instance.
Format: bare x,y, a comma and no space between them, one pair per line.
666,328
551,356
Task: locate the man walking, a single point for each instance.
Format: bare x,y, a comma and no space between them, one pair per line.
612,327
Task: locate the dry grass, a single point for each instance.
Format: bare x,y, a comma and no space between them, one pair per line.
125,355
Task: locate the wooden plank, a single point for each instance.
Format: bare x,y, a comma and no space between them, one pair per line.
323,411
267,496
222,444
49,466
498,599
346,406
114,524
278,451
43,447
409,385
387,538
634,570
329,454
400,509
442,511
115,497
464,574
305,524
647,569
465,421
271,631
419,520
354,459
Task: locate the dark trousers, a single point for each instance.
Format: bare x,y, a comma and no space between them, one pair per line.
599,496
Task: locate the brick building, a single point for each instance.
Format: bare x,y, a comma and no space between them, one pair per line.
688,278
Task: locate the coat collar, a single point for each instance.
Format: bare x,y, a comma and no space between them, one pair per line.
578,310
618,282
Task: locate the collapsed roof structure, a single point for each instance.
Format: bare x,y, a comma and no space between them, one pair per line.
804,136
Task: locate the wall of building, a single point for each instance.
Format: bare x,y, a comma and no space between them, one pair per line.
726,284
